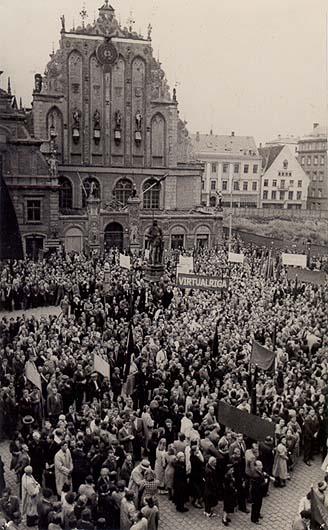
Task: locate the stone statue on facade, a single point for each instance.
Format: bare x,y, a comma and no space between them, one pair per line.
96,118
92,190
53,165
37,83
154,236
138,120
62,20
118,119
76,117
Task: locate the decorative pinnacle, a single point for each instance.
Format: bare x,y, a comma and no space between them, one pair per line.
9,87
150,27
131,22
20,103
83,15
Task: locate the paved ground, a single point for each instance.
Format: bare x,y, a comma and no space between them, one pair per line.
279,508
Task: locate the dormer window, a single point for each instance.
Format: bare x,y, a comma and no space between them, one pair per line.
285,164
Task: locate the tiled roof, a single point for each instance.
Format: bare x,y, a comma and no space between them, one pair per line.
269,154
224,144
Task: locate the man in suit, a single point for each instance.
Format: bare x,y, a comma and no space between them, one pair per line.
54,406
44,507
93,389
258,489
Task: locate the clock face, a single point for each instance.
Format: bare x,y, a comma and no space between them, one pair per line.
107,53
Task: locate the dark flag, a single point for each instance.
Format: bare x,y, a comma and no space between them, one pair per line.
129,351
319,513
295,290
262,356
10,239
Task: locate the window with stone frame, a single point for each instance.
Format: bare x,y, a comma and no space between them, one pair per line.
151,194
65,193
33,210
122,191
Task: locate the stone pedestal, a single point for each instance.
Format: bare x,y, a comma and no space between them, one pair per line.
135,243
93,207
153,273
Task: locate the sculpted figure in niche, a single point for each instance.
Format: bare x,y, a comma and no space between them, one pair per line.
138,120
62,19
118,119
38,83
76,117
96,117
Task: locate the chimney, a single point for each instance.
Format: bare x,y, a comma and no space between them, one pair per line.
197,136
315,125
232,133
211,132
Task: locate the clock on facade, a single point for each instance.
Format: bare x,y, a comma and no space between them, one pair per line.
107,53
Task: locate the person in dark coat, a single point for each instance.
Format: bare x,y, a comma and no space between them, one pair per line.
310,430
266,455
36,452
258,488
196,476
211,489
238,463
229,495
9,504
44,507
81,466
180,484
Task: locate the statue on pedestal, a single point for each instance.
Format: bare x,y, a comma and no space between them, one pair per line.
154,236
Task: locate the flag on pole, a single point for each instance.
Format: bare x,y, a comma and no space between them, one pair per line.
100,365
253,391
129,352
262,356
319,513
125,261
82,185
32,374
215,345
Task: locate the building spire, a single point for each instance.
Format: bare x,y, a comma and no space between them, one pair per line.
9,87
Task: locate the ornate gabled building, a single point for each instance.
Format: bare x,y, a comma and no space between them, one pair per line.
105,104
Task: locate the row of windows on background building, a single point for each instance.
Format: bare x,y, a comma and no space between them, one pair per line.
314,175
313,146
282,195
121,192
236,185
313,160
282,183
236,168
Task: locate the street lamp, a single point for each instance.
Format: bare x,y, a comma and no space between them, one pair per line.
308,258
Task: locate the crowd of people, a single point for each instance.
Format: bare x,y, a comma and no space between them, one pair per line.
96,453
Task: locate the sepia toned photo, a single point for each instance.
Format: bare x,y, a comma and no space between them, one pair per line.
163,264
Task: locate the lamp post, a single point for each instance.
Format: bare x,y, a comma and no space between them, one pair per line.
308,258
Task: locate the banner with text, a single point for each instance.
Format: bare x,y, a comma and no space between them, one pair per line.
307,276
233,257
32,374
100,365
205,283
295,260
243,422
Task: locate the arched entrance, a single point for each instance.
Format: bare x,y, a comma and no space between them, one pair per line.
114,236
74,240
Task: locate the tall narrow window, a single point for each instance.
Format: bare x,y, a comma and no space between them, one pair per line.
122,191
65,193
151,194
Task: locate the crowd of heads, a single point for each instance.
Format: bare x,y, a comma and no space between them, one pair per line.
153,427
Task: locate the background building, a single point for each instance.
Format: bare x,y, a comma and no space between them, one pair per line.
312,155
284,184
232,167
291,141
29,194
105,108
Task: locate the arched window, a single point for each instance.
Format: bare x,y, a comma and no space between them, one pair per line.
65,193
122,191
151,194
87,188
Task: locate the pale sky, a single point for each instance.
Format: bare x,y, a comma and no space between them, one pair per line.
256,67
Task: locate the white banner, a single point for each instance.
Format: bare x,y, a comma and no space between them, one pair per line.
185,265
233,257
125,261
296,260
100,365
32,374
